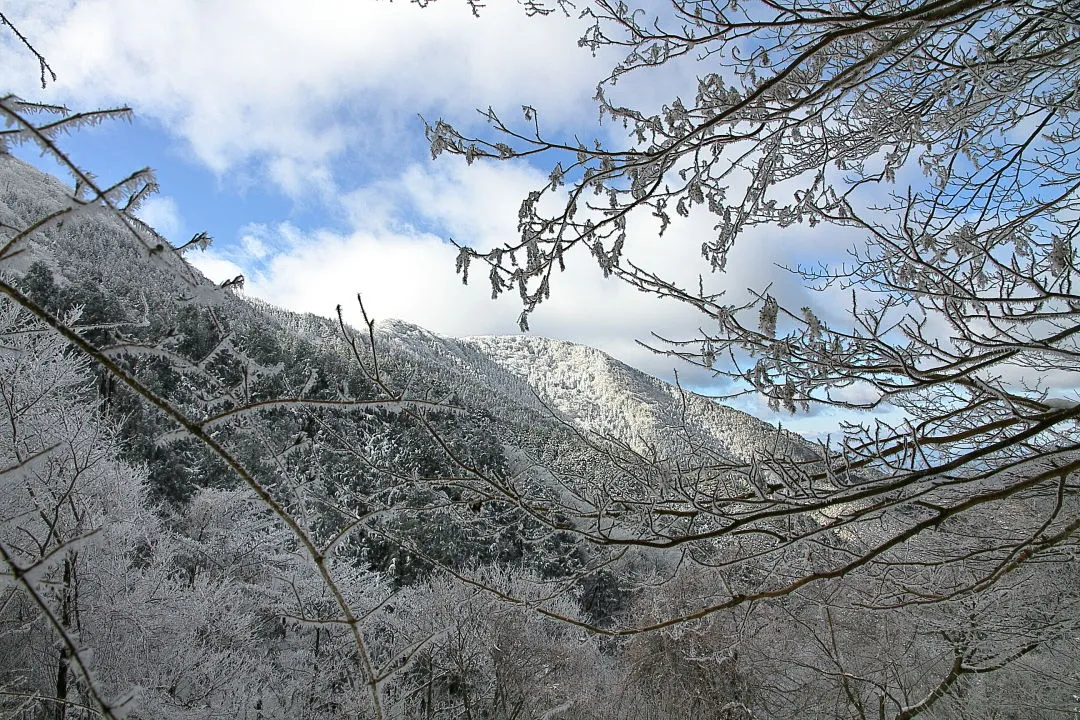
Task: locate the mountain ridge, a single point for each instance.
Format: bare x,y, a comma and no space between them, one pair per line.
594,392
529,395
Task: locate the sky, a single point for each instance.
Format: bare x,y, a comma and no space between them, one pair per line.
290,132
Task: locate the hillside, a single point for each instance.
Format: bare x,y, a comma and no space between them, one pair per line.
220,508
543,425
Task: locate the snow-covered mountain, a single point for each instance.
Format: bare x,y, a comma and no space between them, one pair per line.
228,505
559,418
601,395
582,387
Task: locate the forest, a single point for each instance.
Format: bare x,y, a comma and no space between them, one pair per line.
213,507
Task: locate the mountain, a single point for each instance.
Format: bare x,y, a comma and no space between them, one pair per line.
341,525
541,425
575,383
561,418
601,395
556,382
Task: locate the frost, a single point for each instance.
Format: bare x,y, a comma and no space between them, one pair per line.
767,316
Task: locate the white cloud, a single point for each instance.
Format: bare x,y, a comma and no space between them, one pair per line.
293,85
284,90
214,266
407,272
300,177
161,213
253,244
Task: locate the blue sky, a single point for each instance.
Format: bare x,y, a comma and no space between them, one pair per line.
290,133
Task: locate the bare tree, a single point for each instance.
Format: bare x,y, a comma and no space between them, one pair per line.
43,64
943,133
961,115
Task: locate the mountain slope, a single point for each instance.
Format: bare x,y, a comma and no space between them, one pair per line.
581,385
604,396
542,425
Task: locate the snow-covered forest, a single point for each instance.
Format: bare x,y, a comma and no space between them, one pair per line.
213,507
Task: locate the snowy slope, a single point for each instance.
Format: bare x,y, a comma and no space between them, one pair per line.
604,396
531,393
544,379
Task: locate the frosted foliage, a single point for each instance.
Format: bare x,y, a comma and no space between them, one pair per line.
185,624
920,157
485,656
72,519
388,523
